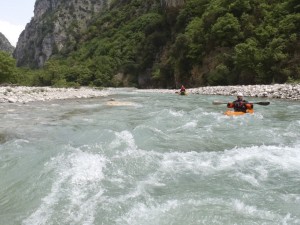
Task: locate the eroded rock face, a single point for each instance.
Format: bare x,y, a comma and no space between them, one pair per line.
54,27
5,45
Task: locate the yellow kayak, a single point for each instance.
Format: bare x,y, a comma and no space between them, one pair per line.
183,93
233,113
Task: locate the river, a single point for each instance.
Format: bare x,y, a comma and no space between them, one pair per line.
156,159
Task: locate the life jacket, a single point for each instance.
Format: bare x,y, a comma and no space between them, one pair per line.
240,106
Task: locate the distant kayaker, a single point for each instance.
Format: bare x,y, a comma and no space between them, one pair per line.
182,89
240,105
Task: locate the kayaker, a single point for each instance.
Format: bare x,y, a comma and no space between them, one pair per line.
182,89
240,105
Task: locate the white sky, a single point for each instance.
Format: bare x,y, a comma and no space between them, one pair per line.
14,15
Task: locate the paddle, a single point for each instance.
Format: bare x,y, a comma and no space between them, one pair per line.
216,102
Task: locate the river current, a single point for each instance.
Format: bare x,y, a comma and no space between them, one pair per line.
155,159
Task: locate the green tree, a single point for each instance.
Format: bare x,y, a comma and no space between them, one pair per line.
247,57
227,30
195,32
218,76
7,68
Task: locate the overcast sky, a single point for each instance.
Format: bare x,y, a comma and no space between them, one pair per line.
14,15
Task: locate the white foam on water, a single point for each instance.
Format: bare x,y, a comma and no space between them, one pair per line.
88,106
123,137
54,105
251,164
89,120
250,178
76,175
258,115
141,189
155,131
235,206
215,114
187,126
78,172
190,125
295,198
141,213
199,211
176,113
167,113
292,130
253,212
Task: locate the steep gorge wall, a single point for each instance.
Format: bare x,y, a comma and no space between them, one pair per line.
56,27
56,24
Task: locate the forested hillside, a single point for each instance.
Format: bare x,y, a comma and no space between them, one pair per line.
143,43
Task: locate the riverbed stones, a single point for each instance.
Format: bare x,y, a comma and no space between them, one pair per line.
282,91
20,94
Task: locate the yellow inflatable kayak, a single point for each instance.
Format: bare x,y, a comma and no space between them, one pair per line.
233,113
183,93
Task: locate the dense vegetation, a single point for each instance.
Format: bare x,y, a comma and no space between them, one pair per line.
205,42
7,68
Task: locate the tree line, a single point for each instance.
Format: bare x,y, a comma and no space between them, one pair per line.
204,42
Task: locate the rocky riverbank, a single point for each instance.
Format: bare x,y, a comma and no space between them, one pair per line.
280,91
19,94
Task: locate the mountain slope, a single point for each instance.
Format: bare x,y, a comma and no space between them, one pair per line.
163,43
5,45
55,24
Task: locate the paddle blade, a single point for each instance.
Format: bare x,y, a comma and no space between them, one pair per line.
216,102
262,103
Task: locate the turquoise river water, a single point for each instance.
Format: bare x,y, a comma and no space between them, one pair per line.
159,159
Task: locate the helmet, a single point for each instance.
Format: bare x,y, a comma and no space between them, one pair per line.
239,94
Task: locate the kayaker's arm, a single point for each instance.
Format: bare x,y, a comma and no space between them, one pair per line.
249,105
230,105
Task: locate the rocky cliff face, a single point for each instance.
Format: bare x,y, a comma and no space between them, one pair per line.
54,28
5,45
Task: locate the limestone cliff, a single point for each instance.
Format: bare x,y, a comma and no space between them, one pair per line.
5,45
55,27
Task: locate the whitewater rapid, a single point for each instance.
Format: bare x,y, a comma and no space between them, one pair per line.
162,159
